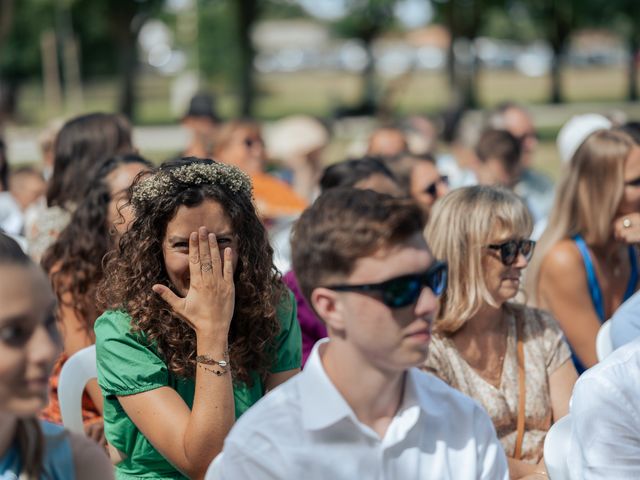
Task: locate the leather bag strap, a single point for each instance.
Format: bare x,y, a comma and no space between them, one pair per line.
517,454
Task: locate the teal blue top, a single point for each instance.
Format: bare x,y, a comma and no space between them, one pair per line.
128,365
58,457
594,286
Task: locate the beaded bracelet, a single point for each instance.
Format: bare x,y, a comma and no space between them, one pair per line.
207,360
210,370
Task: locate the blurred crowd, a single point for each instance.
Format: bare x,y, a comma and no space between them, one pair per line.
421,309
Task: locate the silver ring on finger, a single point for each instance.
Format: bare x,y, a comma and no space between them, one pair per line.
626,223
206,267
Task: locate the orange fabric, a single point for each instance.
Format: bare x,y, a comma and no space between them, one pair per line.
51,412
275,198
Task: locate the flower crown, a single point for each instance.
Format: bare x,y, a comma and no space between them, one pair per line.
192,174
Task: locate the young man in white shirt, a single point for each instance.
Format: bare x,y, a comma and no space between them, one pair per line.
360,408
605,418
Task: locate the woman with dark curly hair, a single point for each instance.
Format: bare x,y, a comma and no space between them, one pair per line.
83,144
200,325
74,265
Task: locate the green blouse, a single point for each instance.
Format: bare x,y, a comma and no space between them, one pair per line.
128,365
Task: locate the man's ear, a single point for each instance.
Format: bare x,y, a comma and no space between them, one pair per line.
328,306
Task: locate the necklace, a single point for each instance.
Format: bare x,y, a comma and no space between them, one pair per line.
486,359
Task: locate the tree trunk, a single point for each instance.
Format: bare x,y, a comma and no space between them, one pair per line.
8,88
9,91
556,77
451,54
369,100
128,60
50,73
6,18
632,94
246,15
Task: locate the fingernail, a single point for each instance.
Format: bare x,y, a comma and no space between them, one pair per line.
212,237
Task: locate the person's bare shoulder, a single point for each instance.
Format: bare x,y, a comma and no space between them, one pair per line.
563,279
90,459
562,261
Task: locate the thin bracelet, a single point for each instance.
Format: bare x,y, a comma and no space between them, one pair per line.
219,373
207,360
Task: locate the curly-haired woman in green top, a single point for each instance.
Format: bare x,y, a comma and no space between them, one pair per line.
199,325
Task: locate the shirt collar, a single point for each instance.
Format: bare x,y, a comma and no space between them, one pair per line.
323,405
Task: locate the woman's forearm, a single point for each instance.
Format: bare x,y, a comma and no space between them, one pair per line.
213,411
520,469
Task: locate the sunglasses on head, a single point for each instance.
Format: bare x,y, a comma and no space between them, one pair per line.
403,291
510,250
432,189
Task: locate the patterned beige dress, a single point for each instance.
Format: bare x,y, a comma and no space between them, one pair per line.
544,351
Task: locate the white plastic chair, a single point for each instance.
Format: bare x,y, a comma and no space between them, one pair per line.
76,372
604,345
556,449
213,473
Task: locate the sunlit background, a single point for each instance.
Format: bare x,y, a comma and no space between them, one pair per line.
336,59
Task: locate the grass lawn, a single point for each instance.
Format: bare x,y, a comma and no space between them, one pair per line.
319,93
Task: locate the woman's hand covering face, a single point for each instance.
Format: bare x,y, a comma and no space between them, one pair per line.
209,303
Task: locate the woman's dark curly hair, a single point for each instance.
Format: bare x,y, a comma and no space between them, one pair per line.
138,264
74,261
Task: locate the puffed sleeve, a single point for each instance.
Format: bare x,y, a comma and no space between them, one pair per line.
555,346
289,339
126,365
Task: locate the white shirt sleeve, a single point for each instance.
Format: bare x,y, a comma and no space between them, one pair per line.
492,460
605,437
241,461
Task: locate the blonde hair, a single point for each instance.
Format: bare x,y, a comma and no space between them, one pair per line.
462,223
587,196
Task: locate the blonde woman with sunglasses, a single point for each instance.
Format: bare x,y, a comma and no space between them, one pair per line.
511,358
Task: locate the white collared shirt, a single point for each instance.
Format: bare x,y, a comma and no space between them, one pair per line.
305,429
605,413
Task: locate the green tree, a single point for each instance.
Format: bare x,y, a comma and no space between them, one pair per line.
556,21
623,17
225,48
114,25
21,24
366,21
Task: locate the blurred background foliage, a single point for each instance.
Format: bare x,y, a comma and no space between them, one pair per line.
344,57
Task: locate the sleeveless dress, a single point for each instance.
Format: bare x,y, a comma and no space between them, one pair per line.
58,457
594,286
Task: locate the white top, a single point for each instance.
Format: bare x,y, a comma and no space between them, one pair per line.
605,411
625,322
306,429
458,176
11,218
